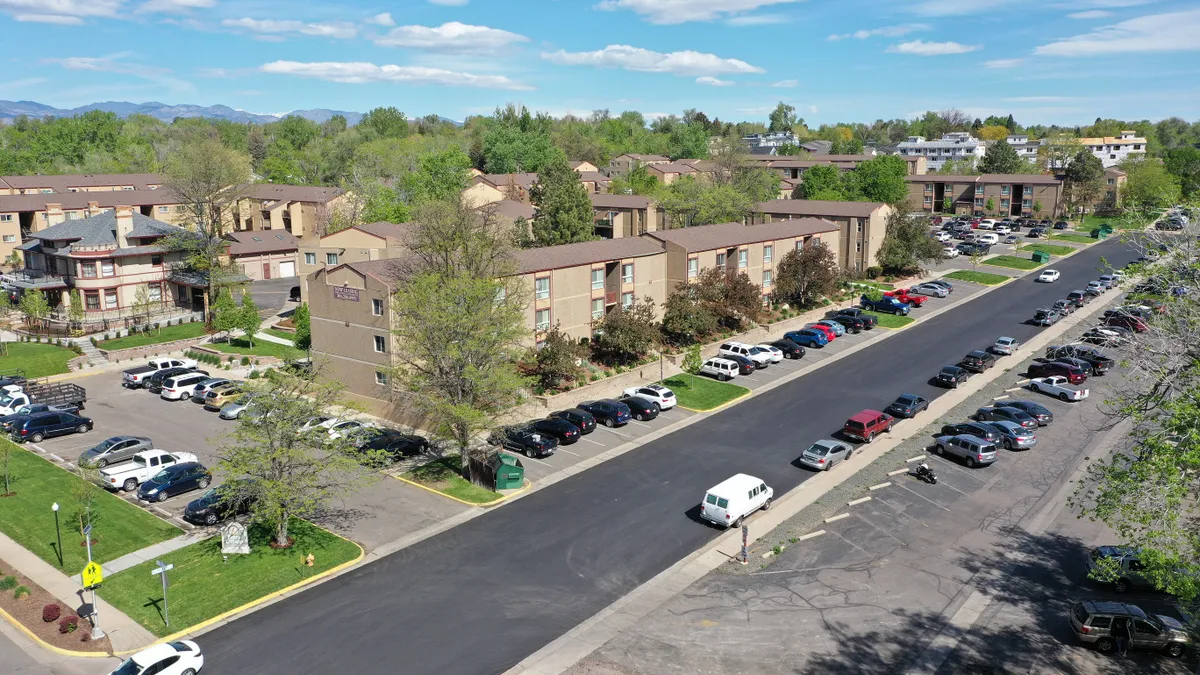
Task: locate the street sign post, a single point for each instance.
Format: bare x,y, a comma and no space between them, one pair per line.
92,575
97,575
161,570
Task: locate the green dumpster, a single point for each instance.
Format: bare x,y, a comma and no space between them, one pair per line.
1041,257
1102,232
510,474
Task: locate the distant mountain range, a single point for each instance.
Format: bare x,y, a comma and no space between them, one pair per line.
9,110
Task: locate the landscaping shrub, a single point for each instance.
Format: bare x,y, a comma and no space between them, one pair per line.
68,624
21,592
8,582
874,271
51,612
253,375
245,360
85,631
93,340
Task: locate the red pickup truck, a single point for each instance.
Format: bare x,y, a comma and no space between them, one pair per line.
903,295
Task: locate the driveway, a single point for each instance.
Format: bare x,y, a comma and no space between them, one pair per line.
271,295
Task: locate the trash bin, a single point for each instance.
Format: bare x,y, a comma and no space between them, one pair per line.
1102,232
510,474
1041,257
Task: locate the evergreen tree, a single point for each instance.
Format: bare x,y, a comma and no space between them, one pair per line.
1002,158
564,210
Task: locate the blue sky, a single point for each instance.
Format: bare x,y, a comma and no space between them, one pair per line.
1045,61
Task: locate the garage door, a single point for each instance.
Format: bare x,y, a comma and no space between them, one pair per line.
287,269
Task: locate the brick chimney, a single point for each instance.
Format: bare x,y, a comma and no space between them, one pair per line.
124,217
54,214
94,209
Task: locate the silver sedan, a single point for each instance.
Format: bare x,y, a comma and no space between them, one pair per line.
929,289
825,453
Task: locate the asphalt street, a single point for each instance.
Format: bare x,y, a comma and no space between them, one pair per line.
482,596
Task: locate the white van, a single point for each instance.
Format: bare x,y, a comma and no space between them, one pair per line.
722,369
989,238
731,500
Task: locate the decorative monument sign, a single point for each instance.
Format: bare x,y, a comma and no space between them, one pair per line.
235,539
344,293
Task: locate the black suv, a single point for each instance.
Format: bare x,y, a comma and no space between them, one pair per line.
790,349
524,440
564,431
869,320
1097,359
976,429
580,418
608,412
1002,414
1035,410
977,361
396,444
34,428
224,501
853,324
642,409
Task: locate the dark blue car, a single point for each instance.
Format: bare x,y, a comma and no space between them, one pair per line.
608,412
173,480
35,427
808,338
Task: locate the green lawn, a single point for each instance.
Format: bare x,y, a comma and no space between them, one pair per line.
1122,222
986,278
1049,248
37,360
891,320
183,331
282,334
120,527
443,475
876,284
261,348
203,585
702,393
1012,262
1077,238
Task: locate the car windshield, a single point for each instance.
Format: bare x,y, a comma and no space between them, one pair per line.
817,449
105,445
949,371
756,350
128,667
6,401
161,477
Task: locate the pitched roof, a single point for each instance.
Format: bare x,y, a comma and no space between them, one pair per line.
511,209
64,182
576,163
386,271
594,177
819,208
605,201
290,193
101,230
397,231
503,180
1111,140
74,201
249,242
646,158
987,178
584,253
672,167
725,235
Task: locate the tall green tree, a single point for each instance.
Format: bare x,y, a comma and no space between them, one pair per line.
75,313
1148,184
1184,164
907,244
639,181
627,333
34,308
511,150
805,276
302,320
441,176
1001,157
782,118
225,312
822,182
563,208
248,319
1083,181
880,179
685,319
386,122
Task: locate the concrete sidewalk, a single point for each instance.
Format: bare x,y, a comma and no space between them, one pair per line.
123,632
150,553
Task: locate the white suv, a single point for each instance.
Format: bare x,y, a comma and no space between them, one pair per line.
179,387
760,356
722,369
661,396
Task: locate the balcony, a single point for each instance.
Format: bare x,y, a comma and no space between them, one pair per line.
610,297
34,280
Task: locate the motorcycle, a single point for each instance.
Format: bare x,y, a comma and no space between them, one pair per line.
925,473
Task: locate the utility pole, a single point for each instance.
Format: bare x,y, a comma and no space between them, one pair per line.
161,570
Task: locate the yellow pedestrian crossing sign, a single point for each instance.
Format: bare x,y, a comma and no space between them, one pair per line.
92,575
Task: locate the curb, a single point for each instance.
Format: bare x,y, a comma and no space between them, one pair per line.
494,502
722,406
46,645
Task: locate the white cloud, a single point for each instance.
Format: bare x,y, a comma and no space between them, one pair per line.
885,31
922,48
647,61
212,72
365,73
714,82
27,82
1004,63
175,6
785,84
1091,14
449,3
682,11
1038,99
1173,31
114,63
813,109
453,37
757,20
382,19
61,12
49,18
278,28
965,7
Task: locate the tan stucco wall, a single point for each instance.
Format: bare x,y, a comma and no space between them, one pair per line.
252,265
343,330
481,193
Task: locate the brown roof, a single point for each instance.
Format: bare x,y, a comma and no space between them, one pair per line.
646,158
63,183
600,201
594,177
385,230
503,180
672,167
584,253
699,164
385,271
72,201
818,208
987,178
290,193
725,235
576,163
263,241
511,209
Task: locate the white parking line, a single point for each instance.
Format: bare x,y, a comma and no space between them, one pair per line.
614,431
924,497
593,442
562,449
534,459
640,424
941,482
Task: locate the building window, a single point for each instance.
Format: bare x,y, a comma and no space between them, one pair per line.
626,300
541,288
978,202
858,247
541,319
1112,156
10,238
929,187
106,268
597,309
1111,194
331,258
6,218
1112,181
768,253
377,306
87,270
310,258
720,261
766,278
154,291
693,267
598,279
1028,191
1026,203
929,201
1004,203
164,209
799,245
627,273
156,260
91,300
1005,189
381,378
978,189
110,298
501,294
743,258
1137,147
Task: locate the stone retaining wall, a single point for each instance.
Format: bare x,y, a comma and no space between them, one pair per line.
237,358
139,353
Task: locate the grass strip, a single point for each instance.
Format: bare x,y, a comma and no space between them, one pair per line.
37,360
891,320
986,278
183,331
1012,262
702,393
444,475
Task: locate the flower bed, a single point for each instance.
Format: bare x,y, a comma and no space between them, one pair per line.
29,610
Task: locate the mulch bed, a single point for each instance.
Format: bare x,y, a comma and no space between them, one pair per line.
28,611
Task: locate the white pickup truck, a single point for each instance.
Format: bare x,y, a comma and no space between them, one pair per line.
1057,385
135,378
128,475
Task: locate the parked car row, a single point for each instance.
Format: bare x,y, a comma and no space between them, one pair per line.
1048,316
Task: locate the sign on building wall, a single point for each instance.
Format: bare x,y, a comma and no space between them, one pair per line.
343,293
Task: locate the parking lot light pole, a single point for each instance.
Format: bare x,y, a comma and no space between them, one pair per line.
58,530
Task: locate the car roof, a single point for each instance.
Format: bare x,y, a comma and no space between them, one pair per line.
828,443
953,369
866,415
721,360
977,352
1109,607
1005,424
735,484
152,655
907,397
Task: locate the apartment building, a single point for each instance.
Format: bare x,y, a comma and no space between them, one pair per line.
862,225
771,139
791,168
957,146
302,210
669,172
361,243
583,166
1026,149
595,181
264,254
1010,194
514,186
619,216
754,249
1114,185
68,183
108,257
623,164
1111,151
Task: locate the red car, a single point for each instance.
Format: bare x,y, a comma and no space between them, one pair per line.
1047,368
1129,321
902,295
829,332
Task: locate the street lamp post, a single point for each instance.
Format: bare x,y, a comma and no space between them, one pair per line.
58,530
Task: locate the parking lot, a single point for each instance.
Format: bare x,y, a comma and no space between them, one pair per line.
383,511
